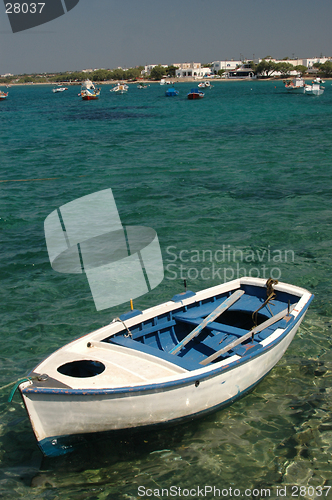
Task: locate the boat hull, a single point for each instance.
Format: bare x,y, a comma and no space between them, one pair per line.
171,94
59,412
314,90
295,90
296,86
90,97
195,96
57,415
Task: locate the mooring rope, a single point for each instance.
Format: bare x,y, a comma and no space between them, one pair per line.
17,383
271,294
30,180
34,180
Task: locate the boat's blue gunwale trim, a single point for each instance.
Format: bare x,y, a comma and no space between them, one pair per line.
51,448
166,386
130,314
182,296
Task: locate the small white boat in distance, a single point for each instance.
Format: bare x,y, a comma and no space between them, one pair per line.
318,80
59,89
296,86
205,85
182,359
314,89
121,88
165,82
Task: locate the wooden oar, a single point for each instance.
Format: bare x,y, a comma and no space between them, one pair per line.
246,336
219,310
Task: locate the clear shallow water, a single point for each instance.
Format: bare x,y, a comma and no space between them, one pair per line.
239,182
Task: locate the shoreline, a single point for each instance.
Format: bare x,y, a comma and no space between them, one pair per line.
172,80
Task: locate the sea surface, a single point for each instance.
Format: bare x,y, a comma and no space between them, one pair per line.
237,183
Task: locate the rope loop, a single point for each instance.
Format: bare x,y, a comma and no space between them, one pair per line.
271,294
128,334
14,389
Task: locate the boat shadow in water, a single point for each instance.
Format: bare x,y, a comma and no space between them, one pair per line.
99,453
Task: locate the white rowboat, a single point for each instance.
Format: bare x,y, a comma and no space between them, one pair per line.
179,360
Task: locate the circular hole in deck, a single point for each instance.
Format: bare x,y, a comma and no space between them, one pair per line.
82,368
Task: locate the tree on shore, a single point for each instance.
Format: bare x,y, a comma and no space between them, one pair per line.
301,69
7,79
100,75
133,73
74,76
171,70
284,68
253,66
324,69
117,74
157,72
266,68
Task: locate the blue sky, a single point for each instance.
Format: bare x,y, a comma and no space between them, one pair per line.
108,34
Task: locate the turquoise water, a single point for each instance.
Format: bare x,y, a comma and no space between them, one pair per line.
237,183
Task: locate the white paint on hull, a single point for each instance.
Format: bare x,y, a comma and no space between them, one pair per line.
61,414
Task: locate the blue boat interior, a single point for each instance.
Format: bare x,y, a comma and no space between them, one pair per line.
171,92
159,335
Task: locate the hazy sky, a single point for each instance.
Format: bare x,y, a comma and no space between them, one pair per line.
109,33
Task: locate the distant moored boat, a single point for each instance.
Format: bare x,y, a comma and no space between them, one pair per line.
120,88
296,86
314,89
171,92
59,89
89,91
195,94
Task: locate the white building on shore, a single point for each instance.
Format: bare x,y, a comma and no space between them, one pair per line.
225,66
192,70
309,63
232,68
